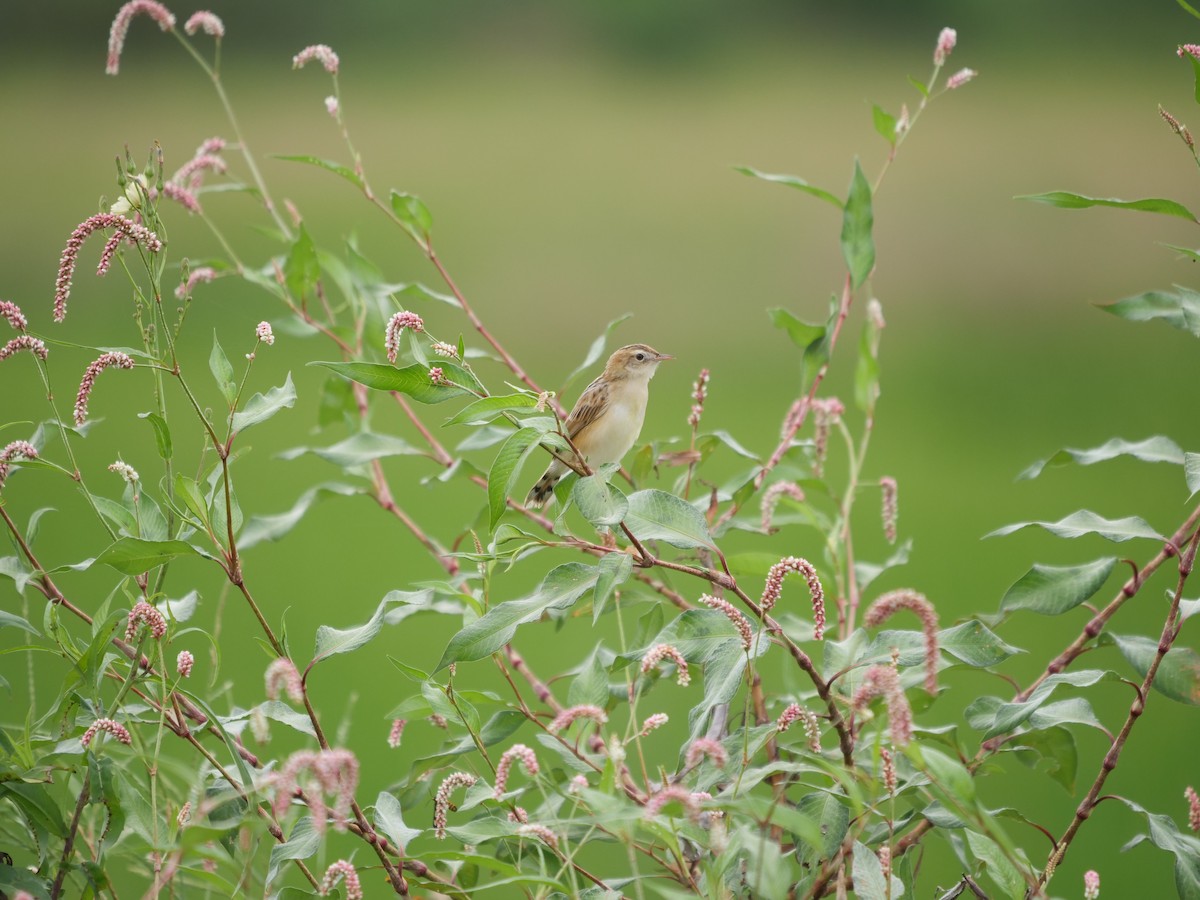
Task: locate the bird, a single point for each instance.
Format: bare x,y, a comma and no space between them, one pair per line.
607,418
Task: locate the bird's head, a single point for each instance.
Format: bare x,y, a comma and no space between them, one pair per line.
635,361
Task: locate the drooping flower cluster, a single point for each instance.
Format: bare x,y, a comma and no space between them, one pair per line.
1193,808
125,230
1179,128
517,752
680,795
770,500
24,342
116,729
656,720
321,53
890,603
337,871
887,485
518,815
1192,50
585,711
333,772
884,681
104,361
945,43
120,28
774,587
396,732
282,673
541,832
208,22
126,471
885,861
812,725
658,653
959,78
144,613
184,663
12,312
185,814
703,747
889,770
740,622
441,800
699,395
395,327
195,277
826,413
15,450
441,348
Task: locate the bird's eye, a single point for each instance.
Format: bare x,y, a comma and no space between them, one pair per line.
641,356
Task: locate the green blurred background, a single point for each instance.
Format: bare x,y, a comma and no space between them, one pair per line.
578,162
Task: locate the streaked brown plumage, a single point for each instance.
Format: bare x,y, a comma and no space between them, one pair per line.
607,418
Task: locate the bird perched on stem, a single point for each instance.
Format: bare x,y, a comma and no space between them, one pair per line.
608,416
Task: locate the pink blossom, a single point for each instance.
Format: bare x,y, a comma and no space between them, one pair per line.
699,394
126,471
337,871
185,814
437,376
945,43
959,78
117,730
441,800
889,604
15,449
1193,808
337,771
740,622
331,105
826,413
1192,50
195,276
105,360
658,653
24,342
182,196
447,350
144,614
770,500
774,587
395,327
657,720
885,861
888,486
210,145
263,332
209,22
889,770
703,747
12,312
794,419
812,726
577,784
437,720
192,172
679,794
135,233
514,753
120,28
883,681
518,815
321,53
1091,884
1179,128
541,832
332,771
396,732
282,673
184,663
567,716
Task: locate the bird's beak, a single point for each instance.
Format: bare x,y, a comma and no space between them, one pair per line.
662,357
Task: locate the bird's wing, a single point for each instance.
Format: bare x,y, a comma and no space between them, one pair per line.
588,410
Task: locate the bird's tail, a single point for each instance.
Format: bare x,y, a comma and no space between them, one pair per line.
543,491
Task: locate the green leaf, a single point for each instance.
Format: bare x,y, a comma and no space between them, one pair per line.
657,515
1165,835
975,644
302,843
358,449
412,380
506,467
885,125
1178,675
332,641
486,409
613,570
1087,522
162,434
793,182
1067,200
1153,449
996,719
301,269
36,803
560,589
1179,310
413,215
996,864
273,527
858,245
188,492
218,364
948,774
348,174
1191,472
598,501
8,620
261,407
595,351
133,556
1056,747
1195,72
390,820
834,819
812,339
1052,590
869,880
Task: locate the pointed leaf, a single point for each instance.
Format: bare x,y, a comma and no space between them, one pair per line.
858,244
162,434
595,351
1052,590
1153,449
133,556
261,407
1087,522
791,181
1191,472
414,216
1180,310
301,269
412,380
996,864
613,571
995,720
1056,746
273,527
1067,200
486,409
657,515
975,644
598,501
337,169
1178,675
218,364
885,125
331,641
390,820
506,468
358,449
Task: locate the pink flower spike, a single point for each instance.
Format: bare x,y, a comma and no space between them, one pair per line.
135,233
263,332
740,622
1091,884
675,792
321,53
335,873
441,800
331,105
541,832
891,603
204,20
658,653
24,342
116,729
564,719
282,673
15,449
516,752
126,471
771,497
699,395
577,784
118,359
959,78
946,41
182,196
1193,808
184,663
395,327
396,732
883,681
888,486
195,277
437,376
812,726
337,772
12,312
120,28
774,587
889,770
657,720
1192,50
706,747
144,614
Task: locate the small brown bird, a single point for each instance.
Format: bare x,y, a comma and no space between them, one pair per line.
607,419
